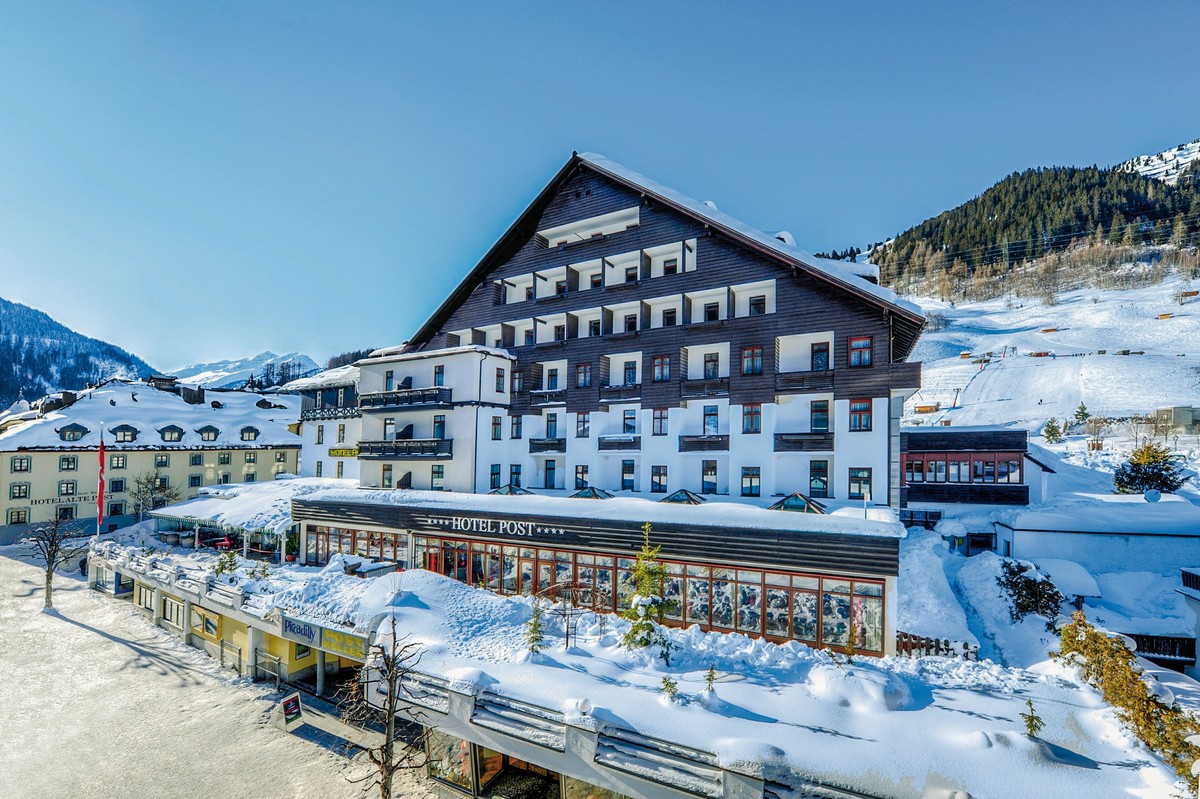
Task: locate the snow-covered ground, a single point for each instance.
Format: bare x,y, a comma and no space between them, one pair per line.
95,701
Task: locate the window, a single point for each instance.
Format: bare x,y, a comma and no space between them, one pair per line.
389,428
670,317
320,434
627,475
581,477
319,470
818,479
631,321
18,491
529,292
514,427
529,336
437,477
439,375
752,417
708,477
758,305
659,425
18,516
341,398
630,373
712,311
224,459
389,380
583,375
71,433
386,476
628,421
116,461
552,379
551,473
860,351
496,428
208,433
860,415
818,416
66,512
499,381
631,274
712,365
163,483
162,460
560,332
251,457
66,488
560,287
494,476
281,457
597,280
68,463
860,484
658,479
820,356
169,435
116,509
670,266
195,459
711,420
116,486
341,434
662,368
514,475
552,425
751,481
249,434
340,470
593,328
23,463
129,435
225,478
752,361
583,425
172,612
439,426
517,381
195,480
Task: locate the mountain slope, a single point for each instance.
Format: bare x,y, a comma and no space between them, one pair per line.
39,355
1167,166
266,366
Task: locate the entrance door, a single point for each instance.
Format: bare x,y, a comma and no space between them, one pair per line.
526,575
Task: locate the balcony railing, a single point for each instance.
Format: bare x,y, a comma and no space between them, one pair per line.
537,445
408,449
804,381
620,441
437,397
548,396
709,443
329,412
804,442
712,387
620,393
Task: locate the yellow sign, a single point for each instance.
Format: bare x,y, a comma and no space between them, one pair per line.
344,453
352,646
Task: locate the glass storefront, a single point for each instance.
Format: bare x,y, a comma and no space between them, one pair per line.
322,542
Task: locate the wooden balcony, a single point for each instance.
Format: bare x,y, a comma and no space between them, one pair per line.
714,387
621,442
537,445
804,381
412,449
548,396
437,397
804,442
329,412
620,393
709,443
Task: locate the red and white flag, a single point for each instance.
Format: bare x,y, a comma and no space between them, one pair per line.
100,488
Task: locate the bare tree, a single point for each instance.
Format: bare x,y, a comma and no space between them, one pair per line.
152,490
53,548
383,676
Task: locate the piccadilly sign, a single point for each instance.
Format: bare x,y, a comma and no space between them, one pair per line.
335,641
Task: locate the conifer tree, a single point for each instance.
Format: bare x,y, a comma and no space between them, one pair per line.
1150,466
1033,722
1081,414
535,637
648,605
1052,432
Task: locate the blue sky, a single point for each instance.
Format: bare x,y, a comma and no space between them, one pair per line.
209,180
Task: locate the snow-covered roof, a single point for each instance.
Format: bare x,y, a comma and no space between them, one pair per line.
1111,513
919,429
149,410
837,270
249,506
847,520
398,353
340,376
1068,576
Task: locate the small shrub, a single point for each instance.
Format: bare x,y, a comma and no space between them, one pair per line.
1033,722
535,637
227,563
1029,595
710,678
670,687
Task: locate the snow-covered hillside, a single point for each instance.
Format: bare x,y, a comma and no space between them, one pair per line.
1003,382
235,372
1166,166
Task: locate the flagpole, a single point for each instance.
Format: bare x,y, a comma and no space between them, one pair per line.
100,487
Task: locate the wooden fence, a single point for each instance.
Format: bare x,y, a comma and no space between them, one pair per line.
916,646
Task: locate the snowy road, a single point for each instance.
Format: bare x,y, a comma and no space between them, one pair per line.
94,701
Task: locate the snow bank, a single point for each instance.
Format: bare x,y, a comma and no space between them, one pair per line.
928,606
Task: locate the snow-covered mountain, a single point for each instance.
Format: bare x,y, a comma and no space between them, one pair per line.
266,366
1166,166
39,355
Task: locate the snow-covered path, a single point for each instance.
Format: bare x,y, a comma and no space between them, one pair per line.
94,701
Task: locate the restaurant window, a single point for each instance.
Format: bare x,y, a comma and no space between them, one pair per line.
860,415
820,356
437,477
711,420
581,476
860,351
627,475
818,479
818,416
583,425
494,476
659,427
499,381
583,375
752,361
751,481
662,368
448,759
658,479
514,475
752,417
708,477
860,484
496,422
439,375
514,427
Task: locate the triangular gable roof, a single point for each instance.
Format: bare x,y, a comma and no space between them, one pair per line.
911,317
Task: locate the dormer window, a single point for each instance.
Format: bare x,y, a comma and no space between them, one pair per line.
249,434
171,434
125,434
72,432
208,433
